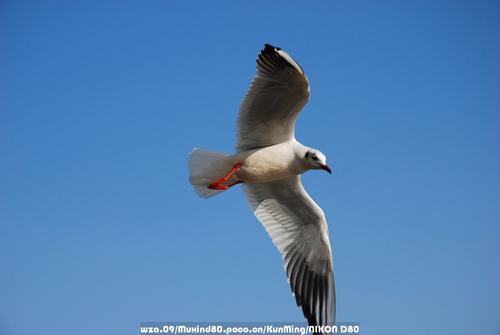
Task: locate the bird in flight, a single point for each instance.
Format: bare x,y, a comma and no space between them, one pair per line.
268,163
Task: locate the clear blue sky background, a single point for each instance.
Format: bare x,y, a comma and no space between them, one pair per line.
100,103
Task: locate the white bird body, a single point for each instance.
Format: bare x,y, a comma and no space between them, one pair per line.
276,162
269,162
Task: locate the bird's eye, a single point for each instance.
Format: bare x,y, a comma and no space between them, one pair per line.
314,157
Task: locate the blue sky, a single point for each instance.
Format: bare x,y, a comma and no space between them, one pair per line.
101,101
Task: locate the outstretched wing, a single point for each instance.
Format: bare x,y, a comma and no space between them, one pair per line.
298,228
275,97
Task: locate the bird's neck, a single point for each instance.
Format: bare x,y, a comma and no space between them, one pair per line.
299,164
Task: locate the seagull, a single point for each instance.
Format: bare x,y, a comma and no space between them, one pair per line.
268,163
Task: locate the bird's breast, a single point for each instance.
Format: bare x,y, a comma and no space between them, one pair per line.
266,165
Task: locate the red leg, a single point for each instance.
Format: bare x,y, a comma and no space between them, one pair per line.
223,187
217,185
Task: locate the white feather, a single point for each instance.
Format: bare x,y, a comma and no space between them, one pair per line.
205,167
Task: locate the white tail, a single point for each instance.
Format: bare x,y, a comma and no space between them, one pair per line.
205,167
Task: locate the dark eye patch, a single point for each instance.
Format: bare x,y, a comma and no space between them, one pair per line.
314,157
307,155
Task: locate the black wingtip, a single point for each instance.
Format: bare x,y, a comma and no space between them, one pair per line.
269,47
272,58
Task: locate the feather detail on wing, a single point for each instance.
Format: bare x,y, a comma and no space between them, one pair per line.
275,97
298,228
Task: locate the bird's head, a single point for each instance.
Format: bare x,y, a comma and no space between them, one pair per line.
315,160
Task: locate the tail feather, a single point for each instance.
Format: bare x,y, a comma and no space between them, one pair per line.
205,167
